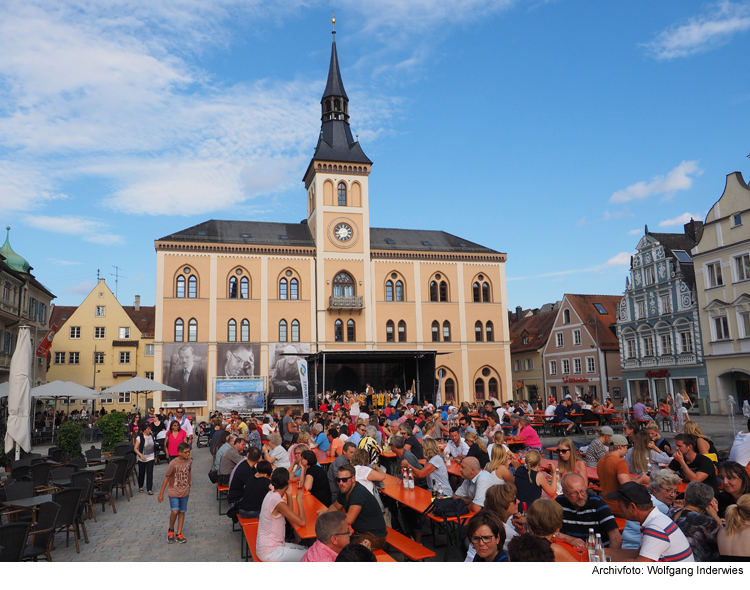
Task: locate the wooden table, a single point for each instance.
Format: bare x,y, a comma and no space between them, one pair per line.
312,505
417,499
323,459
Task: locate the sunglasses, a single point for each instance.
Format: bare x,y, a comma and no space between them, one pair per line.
342,479
561,451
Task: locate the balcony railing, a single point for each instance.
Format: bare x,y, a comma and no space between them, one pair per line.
344,302
649,361
687,358
666,360
631,364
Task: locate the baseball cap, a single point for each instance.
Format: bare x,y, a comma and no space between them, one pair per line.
631,492
606,430
618,440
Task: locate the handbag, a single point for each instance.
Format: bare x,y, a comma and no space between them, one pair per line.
213,475
447,507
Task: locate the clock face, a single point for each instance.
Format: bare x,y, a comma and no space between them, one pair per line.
343,232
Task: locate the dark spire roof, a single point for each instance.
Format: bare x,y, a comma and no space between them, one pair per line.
334,86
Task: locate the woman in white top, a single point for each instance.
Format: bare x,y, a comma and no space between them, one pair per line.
434,470
645,456
144,448
353,407
367,474
274,513
274,453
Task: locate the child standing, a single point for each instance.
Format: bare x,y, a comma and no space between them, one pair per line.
179,479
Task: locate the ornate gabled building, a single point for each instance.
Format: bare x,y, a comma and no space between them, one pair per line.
658,326
241,297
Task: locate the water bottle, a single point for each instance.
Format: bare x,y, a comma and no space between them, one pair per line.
404,479
591,547
411,479
600,549
447,459
440,490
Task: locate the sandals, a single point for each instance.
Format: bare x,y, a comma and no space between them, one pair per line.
140,491
150,493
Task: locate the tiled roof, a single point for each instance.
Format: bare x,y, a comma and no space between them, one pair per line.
537,327
584,307
144,319
422,240
60,314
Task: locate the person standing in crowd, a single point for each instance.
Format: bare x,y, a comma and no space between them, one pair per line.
289,431
175,436
145,449
178,478
185,424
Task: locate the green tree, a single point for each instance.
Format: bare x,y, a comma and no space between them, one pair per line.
113,427
69,439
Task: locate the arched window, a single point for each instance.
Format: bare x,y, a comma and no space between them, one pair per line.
294,289
488,330
232,331
566,316
399,291
479,388
343,285
389,331
485,292
233,288
342,194
283,286
351,332
295,331
443,291
446,331
492,387
338,331
402,331
193,330
179,330
435,331
450,389
245,331
433,291
282,331
192,286
478,331
180,286
477,293
389,290
244,288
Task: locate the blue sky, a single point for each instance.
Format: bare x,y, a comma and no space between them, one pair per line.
550,130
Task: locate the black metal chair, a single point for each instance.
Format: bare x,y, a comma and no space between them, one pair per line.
121,449
56,455
85,480
42,533
13,539
61,473
106,486
77,464
18,490
121,479
69,500
132,473
40,476
93,456
50,451
19,472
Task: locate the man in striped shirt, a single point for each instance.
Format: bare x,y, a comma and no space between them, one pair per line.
581,513
661,538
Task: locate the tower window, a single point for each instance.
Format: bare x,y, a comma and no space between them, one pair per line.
433,291
179,330
446,331
293,289
478,331
488,330
389,290
245,331
402,331
193,330
244,288
343,285
233,288
342,194
399,291
295,331
443,291
435,331
283,286
232,331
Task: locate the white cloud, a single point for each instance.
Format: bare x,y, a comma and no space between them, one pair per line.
681,219
679,178
621,259
635,232
82,288
89,230
702,33
59,262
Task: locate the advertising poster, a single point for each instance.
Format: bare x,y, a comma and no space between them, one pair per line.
240,395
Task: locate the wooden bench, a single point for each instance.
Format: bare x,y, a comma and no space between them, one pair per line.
221,493
410,548
383,557
249,538
242,522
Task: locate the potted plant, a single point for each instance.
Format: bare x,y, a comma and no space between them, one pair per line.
69,439
113,428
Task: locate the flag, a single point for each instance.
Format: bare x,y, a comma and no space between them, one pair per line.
302,368
43,349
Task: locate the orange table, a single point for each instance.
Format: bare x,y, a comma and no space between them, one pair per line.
418,499
323,459
583,556
312,505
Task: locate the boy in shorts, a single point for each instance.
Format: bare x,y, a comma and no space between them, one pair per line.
179,479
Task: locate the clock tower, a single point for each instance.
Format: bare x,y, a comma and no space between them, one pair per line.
338,215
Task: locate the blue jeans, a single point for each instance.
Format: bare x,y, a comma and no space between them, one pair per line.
249,514
180,504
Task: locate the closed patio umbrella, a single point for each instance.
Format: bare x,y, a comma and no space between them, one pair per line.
19,395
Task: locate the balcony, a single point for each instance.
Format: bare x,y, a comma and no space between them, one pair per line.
666,360
8,307
648,361
686,358
631,364
344,302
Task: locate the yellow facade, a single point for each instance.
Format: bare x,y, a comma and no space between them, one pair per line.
101,326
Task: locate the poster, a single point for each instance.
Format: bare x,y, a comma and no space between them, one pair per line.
184,368
240,395
237,359
284,383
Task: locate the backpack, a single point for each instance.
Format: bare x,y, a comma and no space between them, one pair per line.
447,507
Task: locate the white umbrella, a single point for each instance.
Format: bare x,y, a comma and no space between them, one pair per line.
19,398
63,390
138,385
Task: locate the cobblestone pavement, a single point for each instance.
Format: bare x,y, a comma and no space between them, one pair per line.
139,529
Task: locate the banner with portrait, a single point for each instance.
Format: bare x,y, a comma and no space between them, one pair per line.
237,359
184,368
284,381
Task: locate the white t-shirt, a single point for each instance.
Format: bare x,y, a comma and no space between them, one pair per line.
354,409
271,529
491,445
281,456
440,475
267,429
741,448
662,539
362,471
550,411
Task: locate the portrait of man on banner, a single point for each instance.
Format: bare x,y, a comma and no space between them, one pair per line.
185,368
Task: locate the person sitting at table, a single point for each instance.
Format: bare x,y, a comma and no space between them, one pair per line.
514,419
411,442
475,485
664,415
501,463
598,447
568,460
652,428
405,458
501,500
274,453
240,475
549,411
332,535
456,447
335,444
531,481
363,513
734,540
347,452
255,490
303,438
639,409
663,486
691,465
367,473
314,478
582,512
705,445
528,548
434,471
274,513
359,432
321,440
613,470
740,451
735,483
295,469
369,444
644,455
464,426
497,439
230,459
661,538
560,416
529,436
630,429
698,520
545,519
477,448
486,534
356,553
493,424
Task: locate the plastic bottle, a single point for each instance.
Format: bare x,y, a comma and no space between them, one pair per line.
411,479
600,548
591,547
447,459
440,490
404,479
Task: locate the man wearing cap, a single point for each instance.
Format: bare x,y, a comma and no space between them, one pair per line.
613,471
661,538
582,512
599,447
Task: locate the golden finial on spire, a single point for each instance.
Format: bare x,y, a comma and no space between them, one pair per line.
333,21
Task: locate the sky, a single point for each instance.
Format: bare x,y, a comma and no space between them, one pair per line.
551,130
